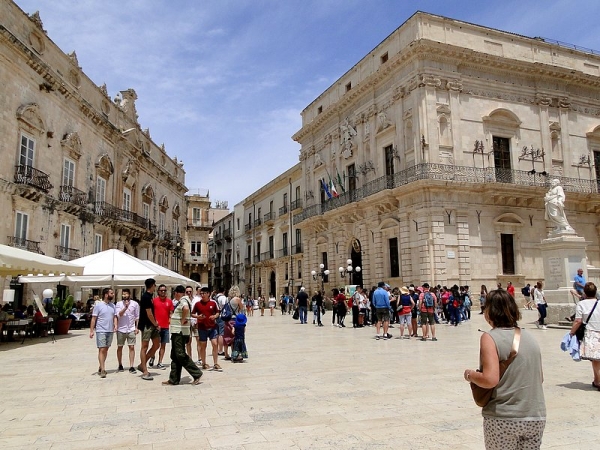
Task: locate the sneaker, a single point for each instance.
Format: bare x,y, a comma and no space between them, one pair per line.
99,370
121,368
343,326
132,370
221,353
423,339
538,325
385,337
406,337
434,339
217,367
544,327
199,363
147,377
151,362
377,337
389,336
161,366
103,374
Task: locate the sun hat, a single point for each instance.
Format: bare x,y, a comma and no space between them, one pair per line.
404,290
240,319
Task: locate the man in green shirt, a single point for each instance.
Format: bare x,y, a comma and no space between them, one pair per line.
180,335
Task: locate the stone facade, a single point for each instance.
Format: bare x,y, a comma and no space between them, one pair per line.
445,137
80,175
268,252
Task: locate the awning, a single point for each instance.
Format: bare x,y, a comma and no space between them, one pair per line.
15,261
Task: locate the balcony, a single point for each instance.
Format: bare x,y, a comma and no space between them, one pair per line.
447,173
247,261
69,194
283,252
257,223
66,254
195,258
269,217
199,223
217,236
283,210
107,211
296,249
227,234
25,244
32,177
296,204
248,227
256,258
165,236
267,255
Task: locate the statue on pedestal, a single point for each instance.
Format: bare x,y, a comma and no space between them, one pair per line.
555,209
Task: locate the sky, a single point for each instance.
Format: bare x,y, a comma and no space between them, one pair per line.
222,83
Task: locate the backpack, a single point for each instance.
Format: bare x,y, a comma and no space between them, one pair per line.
227,312
467,301
428,298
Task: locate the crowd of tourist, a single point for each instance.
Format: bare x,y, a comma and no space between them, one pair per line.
158,320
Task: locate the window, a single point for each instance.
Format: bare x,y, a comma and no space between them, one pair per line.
196,248
258,251
26,151
285,244
271,250
324,262
249,253
389,160
271,208
394,263
286,271
351,178
297,192
65,236
319,110
299,269
100,189
383,58
21,221
348,86
97,243
298,240
175,227
146,211
285,200
161,221
68,173
238,224
196,216
126,199
508,254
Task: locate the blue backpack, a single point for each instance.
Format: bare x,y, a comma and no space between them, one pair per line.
429,302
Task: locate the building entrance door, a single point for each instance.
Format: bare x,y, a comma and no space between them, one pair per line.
502,165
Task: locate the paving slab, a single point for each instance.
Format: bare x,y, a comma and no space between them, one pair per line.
303,387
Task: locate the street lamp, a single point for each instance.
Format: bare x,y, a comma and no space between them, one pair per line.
348,270
321,274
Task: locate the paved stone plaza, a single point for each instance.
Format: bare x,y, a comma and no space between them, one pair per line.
303,387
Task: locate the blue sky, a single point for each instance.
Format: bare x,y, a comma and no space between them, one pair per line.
222,82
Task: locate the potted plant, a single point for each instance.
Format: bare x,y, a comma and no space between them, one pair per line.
63,306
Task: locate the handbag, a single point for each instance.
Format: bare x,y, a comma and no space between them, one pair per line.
481,395
296,315
580,333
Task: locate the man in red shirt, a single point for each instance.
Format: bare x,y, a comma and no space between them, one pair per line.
206,313
163,308
510,289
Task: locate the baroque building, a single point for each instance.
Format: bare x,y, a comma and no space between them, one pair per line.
80,174
267,251
441,144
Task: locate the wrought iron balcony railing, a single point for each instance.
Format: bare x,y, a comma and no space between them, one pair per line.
283,210
248,227
296,249
227,233
267,255
269,216
257,222
450,173
106,210
283,252
296,204
73,195
32,177
66,254
25,244
199,223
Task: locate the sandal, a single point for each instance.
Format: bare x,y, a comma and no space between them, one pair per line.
597,386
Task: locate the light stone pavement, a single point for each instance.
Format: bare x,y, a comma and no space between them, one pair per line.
303,387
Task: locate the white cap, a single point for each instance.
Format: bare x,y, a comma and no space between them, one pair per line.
302,289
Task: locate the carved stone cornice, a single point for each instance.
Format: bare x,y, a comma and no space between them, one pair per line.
429,80
454,85
543,99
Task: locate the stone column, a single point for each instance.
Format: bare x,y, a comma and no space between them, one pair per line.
406,268
464,247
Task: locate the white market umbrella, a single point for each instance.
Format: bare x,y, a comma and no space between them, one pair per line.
15,261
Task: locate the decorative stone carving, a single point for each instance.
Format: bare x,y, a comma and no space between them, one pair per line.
29,115
554,126
75,78
147,193
367,131
318,161
454,85
72,144
105,107
398,93
130,173
37,20
176,211
128,104
430,81
104,166
382,121
543,100
36,39
73,57
371,111
347,132
327,139
163,204
564,102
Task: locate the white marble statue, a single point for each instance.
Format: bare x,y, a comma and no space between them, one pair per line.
555,209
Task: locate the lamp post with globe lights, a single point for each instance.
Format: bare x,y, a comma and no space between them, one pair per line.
349,270
321,274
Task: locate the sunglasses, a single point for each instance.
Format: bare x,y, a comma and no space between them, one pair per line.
162,290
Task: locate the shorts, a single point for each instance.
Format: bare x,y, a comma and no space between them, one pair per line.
103,339
204,335
164,335
121,337
150,333
427,317
220,326
383,314
405,319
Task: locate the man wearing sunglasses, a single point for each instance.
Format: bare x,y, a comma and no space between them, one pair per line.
163,308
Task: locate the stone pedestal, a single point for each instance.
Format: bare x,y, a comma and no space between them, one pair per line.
562,256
